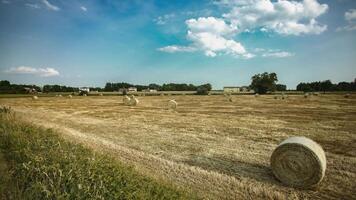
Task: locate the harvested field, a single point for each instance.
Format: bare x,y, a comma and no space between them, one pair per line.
215,148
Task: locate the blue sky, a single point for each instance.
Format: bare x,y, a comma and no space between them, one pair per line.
223,42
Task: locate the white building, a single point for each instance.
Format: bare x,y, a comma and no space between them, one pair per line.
132,89
235,89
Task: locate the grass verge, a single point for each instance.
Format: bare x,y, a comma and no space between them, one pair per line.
36,163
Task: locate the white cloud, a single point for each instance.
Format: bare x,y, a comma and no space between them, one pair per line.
212,36
211,25
5,2
350,17
175,48
50,6
44,72
161,20
34,6
278,54
215,36
283,17
83,8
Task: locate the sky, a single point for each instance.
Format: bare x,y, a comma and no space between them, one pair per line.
222,42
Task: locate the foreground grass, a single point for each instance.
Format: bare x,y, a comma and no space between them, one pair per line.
36,163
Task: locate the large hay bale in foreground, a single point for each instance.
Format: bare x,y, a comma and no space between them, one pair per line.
34,97
299,162
347,95
126,100
172,104
133,101
70,96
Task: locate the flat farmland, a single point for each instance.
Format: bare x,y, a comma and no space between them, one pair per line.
210,146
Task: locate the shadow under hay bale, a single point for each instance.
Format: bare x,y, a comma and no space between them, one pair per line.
299,162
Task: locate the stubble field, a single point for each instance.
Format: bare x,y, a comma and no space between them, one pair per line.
208,145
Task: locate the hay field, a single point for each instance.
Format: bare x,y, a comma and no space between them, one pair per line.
215,148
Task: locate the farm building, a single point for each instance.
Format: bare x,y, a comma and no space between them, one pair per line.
235,89
30,90
84,90
149,90
132,89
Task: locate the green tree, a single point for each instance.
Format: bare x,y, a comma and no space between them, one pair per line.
281,87
262,83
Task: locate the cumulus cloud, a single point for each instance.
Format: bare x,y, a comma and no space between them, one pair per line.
50,6
212,36
44,72
282,17
83,8
350,17
215,36
175,48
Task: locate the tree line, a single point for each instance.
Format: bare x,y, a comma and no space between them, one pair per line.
110,87
7,88
327,85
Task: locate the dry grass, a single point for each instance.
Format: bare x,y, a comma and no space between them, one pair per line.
218,150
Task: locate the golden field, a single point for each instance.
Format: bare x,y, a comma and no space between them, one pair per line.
210,146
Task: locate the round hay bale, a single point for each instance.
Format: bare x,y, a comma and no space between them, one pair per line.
84,95
34,97
172,104
347,95
126,100
101,94
306,95
256,95
133,101
70,96
299,162
230,99
275,97
60,95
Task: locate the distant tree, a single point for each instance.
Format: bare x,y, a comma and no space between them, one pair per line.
305,87
281,87
203,89
262,83
154,86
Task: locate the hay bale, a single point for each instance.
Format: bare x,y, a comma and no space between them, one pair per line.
126,100
299,162
70,96
257,95
60,95
275,97
306,95
133,101
101,94
172,104
34,97
84,95
347,95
